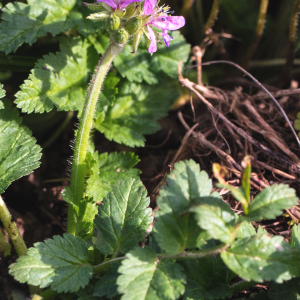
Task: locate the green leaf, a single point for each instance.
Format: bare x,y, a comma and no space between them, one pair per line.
176,231
215,216
135,113
59,79
262,258
246,229
107,285
61,263
144,277
295,238
166,58
135,67
289,290
142,66
19,153
22,23
107,170
269,203
207,279
123,218
2,95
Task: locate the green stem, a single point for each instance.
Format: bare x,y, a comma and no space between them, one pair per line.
192,255
105,265
12,229
182,256
259,31
212,17
83,134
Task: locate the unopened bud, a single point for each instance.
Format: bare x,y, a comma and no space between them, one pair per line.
113,23
120,12
120,36
99,16
94,6
137,40
131,10
133,25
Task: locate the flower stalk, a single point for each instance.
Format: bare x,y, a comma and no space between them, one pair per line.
83,134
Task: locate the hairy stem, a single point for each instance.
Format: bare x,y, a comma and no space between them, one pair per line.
212,17
286,74
11,229
83,135
259,31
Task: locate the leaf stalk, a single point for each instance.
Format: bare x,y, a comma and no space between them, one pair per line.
12,229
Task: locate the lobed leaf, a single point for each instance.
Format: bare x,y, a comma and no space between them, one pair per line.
215,216
108,170
144,277
176,231
59,80
22,23
135,112
61,263
269,203
207,279
262,258
19,153
123,218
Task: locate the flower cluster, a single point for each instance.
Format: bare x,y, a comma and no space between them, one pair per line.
136,22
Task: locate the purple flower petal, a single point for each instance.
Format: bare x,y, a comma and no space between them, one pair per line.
111,3
149,6
169,23
124,3
167,38
153,47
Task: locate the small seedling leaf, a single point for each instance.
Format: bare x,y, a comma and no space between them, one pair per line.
269,203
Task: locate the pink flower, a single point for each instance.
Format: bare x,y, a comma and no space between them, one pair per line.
118,4
159,18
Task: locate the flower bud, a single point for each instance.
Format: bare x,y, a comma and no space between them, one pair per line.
131,11
133,25
120,12
137,40
113,23
99,16
94,6
120,36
